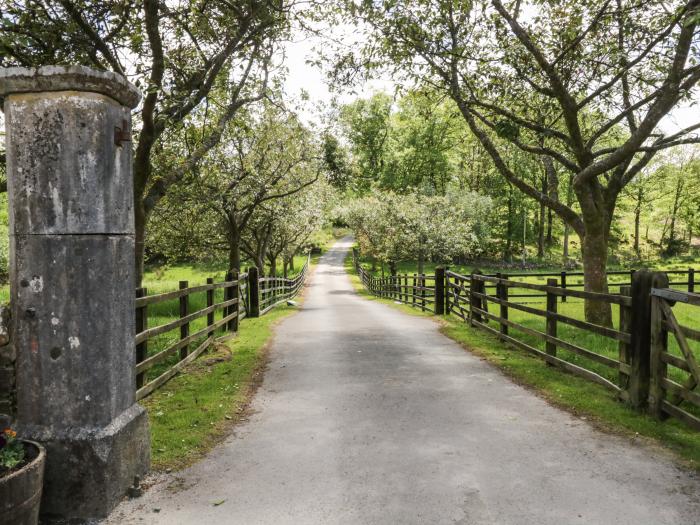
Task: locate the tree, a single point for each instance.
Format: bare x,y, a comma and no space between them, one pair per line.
291,221
268,155
177,53
585,84
392,228
366,124
259,193
680,173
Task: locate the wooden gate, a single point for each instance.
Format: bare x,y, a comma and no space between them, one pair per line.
675,373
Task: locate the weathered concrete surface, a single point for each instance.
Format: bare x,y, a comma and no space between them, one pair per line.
371,416
62,144
72,282
88,469
70,302
46,79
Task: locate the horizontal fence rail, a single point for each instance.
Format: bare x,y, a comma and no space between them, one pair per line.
634,358
173,328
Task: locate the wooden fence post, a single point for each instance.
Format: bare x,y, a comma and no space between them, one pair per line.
550,347
502,295
227,296
659,345
640,347
439,290
405,288
476,286
422,292
235,294
413,291
563,285
184,311
626,327
210,302
691,280
254,292
141,325
448,294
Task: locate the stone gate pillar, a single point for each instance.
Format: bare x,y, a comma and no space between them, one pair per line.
72,281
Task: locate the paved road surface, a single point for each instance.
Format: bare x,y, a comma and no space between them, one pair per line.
370,416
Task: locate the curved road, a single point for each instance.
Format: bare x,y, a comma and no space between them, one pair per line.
371,416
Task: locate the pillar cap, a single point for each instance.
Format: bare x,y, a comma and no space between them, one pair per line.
68,78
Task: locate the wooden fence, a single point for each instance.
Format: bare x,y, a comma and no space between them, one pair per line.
474,304
417,290
178,343
631,358
276,290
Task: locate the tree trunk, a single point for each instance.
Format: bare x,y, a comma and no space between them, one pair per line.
540,233
567,227
508,252
140,220
595,277
524,252
260,263
273,266
597,211
234,253
637,218
671,249
550,219
291,263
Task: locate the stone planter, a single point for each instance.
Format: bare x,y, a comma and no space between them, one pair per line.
20,491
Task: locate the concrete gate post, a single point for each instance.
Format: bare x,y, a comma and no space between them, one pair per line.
72,281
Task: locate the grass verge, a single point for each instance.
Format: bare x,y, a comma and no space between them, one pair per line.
576,395
196,410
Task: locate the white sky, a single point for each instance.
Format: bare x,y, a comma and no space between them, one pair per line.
313,80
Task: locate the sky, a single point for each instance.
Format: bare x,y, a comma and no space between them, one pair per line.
310,78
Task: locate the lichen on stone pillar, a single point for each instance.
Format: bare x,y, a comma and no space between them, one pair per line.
70,190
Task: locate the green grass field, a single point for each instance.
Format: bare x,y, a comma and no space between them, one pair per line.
578,395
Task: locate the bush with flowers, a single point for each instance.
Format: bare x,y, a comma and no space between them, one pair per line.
12,451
